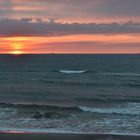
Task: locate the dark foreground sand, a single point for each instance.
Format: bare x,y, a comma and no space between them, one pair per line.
51,136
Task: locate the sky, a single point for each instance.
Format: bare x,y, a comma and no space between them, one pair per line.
69,26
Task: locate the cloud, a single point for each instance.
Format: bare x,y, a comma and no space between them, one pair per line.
39,27
6,8
74,10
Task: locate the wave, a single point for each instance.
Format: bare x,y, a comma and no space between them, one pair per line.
130,109
106,99
72,83
73,71
120,74
131,84
40,106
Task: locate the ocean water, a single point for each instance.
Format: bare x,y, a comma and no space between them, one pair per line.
70,93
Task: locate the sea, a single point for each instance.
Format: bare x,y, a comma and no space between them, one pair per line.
96,94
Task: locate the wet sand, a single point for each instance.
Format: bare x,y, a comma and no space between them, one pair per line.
54,136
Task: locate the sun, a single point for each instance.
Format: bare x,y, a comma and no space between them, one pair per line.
16,52
16,49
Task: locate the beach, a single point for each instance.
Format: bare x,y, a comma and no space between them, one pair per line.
61,136
69,70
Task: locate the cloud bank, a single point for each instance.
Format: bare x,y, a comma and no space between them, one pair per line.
38,27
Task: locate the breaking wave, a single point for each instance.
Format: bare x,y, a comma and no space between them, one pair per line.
73,71
130,109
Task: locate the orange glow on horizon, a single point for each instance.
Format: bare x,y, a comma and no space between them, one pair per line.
16,46
95,44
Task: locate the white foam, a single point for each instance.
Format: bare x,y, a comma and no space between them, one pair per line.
73,71
129,109
7,112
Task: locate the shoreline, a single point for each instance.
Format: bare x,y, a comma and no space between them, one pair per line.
44,131
64,136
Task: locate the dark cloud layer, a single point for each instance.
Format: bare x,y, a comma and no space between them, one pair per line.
38,27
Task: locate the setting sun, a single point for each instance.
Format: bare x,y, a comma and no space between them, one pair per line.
16,48
16,52
16,45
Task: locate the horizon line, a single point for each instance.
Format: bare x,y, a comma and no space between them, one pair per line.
71,54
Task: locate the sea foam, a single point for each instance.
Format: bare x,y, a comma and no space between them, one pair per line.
73,71
130,109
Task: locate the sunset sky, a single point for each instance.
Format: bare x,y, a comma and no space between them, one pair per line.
69,26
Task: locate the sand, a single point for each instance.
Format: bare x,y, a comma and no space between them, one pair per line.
54,136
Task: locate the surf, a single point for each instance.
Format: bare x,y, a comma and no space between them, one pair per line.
129,109
73,71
